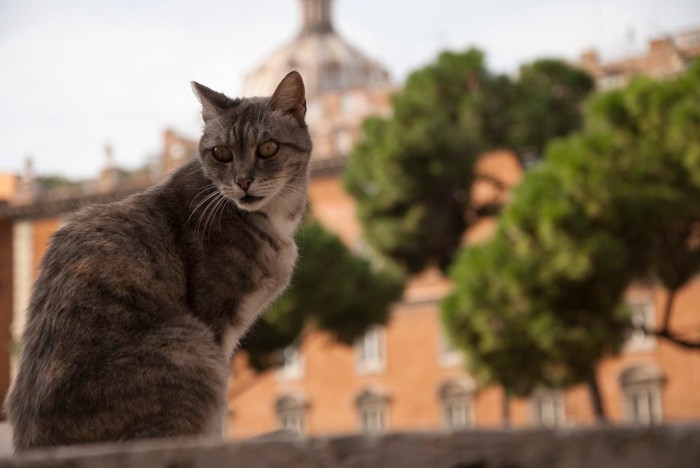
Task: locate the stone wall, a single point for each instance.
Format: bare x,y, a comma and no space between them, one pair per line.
669,446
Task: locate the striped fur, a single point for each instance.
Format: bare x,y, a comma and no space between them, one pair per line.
139,304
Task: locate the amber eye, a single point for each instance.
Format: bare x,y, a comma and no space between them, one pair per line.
222,154
267,149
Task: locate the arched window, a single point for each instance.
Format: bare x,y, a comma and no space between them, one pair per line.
291,413
641,389
373,409
457,401
548,408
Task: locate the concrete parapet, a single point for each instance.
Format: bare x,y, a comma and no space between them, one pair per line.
667,446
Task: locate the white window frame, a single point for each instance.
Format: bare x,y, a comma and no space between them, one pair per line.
548,409
642,384
643,315
292,420
373,419
457,405
343,142
291,414
448,355
370,351
292,363
456,414
314,111
373,412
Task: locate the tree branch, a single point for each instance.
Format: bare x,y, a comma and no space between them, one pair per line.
668,308
665,331
675,339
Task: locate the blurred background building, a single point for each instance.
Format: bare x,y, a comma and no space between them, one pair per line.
666,57
404,376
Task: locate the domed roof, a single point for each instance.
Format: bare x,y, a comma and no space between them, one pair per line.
325,60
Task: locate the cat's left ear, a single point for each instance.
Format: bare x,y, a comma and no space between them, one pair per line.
290,95
213,102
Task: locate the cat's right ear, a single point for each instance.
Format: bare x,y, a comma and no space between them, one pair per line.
213,102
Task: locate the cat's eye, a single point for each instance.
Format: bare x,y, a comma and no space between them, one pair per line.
267,149
222,154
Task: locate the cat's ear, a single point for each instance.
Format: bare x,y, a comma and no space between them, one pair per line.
213,102
290,95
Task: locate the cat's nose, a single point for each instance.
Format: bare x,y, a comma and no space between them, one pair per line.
244,182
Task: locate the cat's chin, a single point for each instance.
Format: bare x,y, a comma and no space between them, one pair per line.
250,202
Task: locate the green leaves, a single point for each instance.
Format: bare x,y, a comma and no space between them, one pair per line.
612,204
411,174
332,290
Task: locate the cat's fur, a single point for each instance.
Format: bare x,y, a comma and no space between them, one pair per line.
140,304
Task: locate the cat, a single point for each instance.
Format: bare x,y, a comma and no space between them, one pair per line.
140,304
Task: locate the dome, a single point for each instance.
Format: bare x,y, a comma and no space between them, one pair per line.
325,60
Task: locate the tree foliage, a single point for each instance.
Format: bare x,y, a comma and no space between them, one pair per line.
411,173
541,303
332,290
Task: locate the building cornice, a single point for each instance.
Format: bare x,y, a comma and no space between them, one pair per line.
47,205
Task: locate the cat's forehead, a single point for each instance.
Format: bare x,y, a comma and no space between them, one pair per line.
252,116
249,109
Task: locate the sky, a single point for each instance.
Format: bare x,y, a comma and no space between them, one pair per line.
78,75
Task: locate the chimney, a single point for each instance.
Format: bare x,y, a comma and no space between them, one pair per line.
590,57
662,45
28,187
109,177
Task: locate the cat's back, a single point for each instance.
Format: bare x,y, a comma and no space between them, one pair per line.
112,253
108,303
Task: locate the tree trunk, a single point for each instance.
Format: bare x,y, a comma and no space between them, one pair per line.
668,309
665,331
506,410
597,401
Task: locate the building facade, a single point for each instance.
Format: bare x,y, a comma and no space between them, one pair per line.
406,376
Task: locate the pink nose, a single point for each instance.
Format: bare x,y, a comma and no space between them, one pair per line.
244,182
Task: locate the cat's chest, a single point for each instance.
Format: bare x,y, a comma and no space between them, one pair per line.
277,262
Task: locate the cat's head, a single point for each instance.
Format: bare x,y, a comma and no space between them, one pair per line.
256,150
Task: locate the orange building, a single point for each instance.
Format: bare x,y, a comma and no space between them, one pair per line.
667,57
404,376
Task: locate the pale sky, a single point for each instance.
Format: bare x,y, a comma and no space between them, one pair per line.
77,75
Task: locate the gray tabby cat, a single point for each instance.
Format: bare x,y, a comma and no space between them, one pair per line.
140,304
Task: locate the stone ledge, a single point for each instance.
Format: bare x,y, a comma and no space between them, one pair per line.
675,446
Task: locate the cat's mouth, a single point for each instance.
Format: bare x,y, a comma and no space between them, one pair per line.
250,199
250,202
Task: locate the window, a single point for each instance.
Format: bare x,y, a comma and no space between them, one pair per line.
448,354
548,409
314,110
291,413
343,142
642,317
457,400
612,80
292,363
353,104
641,389
372,411
369,351
348,103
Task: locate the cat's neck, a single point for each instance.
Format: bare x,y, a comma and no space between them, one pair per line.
286,209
